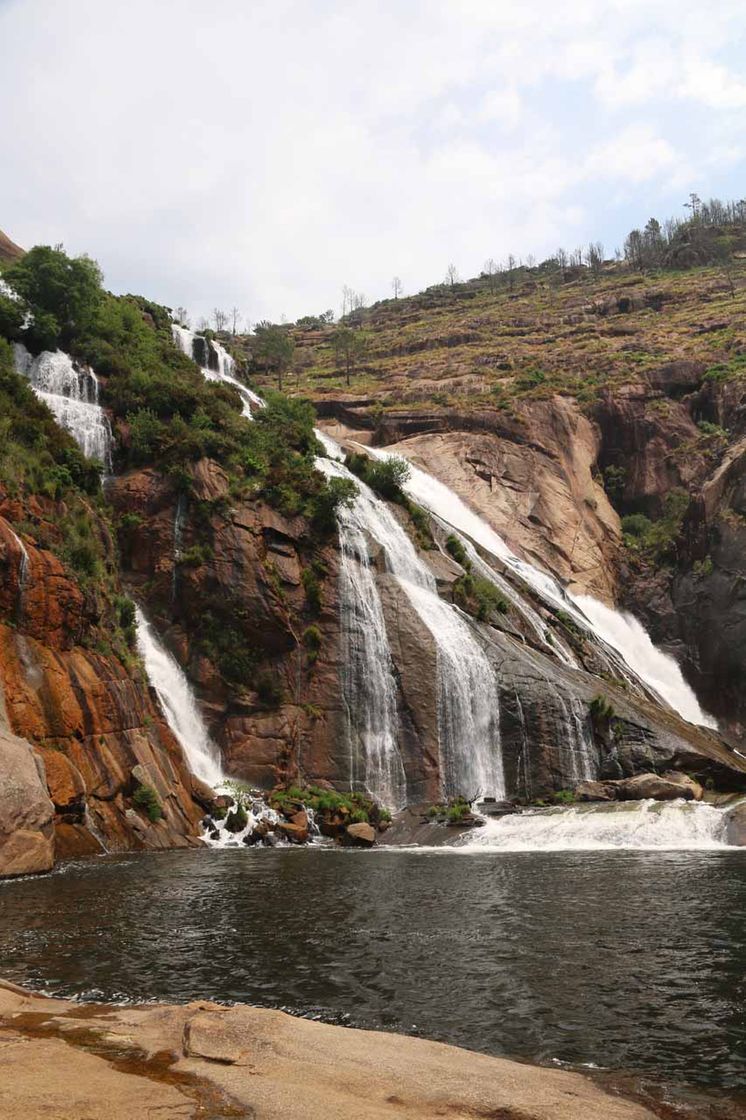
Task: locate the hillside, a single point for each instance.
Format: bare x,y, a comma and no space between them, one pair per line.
597,422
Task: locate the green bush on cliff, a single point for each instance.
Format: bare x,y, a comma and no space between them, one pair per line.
146,798
478,596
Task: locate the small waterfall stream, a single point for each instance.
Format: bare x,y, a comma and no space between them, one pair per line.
179,706
216,364
71,393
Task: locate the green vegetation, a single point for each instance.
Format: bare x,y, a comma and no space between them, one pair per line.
601,710
352,807
454,811
312,639
165,412
479,597
656,540
564,797
456,549
387,478
146,798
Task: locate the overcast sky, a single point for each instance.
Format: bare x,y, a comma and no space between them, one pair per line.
263,153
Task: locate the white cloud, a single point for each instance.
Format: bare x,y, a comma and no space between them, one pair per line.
264,154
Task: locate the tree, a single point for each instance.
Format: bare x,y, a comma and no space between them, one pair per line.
62,294
510,268
273,348
562,262
396,285
235,320
594,257
349,346
181,316
452,275
220,319
491,271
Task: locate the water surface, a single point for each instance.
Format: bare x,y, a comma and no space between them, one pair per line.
627,960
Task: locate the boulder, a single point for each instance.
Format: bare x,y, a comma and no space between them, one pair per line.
26,811
691,789
596,791
643,786
360,835
295,833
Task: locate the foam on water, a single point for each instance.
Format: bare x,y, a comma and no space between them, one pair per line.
664,825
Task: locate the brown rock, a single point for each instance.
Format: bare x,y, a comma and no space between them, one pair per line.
595,791
691,789
203,794
64,782
361,834
643,786
295,833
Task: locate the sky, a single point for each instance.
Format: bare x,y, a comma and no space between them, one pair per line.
264,153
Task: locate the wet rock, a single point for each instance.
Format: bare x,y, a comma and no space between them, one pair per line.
295,833
203,794
64,782
736,825
222,801
360,835
490,807
236,820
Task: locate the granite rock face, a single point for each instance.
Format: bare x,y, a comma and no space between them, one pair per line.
26,811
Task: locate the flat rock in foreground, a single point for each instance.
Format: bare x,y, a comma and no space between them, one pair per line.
67,1061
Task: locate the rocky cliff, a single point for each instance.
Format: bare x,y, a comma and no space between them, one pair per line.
86,731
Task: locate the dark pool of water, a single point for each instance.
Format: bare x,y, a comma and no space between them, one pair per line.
628,960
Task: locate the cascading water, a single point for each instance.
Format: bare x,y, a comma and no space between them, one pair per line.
468,699
634,824
23,568
368,681
655,669
71,393
179,707
216,364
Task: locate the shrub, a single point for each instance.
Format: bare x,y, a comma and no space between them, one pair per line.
312,588
312,641
456,549
146,798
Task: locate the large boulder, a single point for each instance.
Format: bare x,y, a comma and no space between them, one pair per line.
26,811
360,835
668,787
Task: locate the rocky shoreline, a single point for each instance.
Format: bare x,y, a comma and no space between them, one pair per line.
62,1060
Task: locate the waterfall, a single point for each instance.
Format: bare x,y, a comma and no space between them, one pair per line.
648,824
216,364
468,698
659,672
71,393
656,668
179,706
367,670
23,568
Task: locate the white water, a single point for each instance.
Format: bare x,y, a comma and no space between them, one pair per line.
179,707
375,764
468,698
626,635
673,825
71,393
222,369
